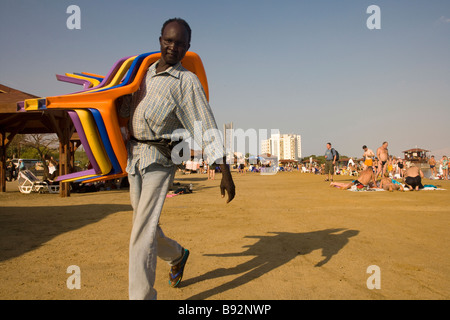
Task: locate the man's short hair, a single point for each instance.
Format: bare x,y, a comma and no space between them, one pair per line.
329,143
180,21
364,146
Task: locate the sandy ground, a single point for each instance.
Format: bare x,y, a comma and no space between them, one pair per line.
286,236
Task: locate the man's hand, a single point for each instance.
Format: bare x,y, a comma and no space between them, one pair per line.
227,182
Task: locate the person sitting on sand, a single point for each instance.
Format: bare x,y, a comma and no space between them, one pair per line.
413,177
366,178
389,184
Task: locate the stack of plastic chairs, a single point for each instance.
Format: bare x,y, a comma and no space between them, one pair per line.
94,113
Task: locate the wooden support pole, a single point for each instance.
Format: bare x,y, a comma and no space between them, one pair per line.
2,161
65,153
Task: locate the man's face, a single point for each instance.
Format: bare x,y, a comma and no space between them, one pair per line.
328,146
385,145
174,43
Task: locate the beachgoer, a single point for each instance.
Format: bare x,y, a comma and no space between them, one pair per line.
400,166
413,177
169,98
394,162
444,164
432,162
383,157
389,184
366,178
352,167
211,171
390,165
52,168
10,170
22,165
241,165
330,161
368,157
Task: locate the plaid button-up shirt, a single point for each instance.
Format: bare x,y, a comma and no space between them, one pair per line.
167,101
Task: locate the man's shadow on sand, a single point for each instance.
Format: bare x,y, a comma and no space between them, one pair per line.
271,252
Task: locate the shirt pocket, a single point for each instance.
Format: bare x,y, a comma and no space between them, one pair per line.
159,111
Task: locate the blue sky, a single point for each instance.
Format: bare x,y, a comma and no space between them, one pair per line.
305,67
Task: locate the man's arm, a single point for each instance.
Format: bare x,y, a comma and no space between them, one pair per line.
195,108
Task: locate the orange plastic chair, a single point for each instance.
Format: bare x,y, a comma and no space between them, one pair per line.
104,100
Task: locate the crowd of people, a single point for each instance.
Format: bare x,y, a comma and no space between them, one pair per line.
241,165
385,168
13,169
442,164
381,170
201,167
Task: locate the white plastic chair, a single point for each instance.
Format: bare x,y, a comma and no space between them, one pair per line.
28,182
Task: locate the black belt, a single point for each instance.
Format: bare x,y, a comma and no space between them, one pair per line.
164,146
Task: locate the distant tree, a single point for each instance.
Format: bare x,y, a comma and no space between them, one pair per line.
15,146
318,159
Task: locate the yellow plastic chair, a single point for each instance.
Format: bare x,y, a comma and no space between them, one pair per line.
94,140
104,101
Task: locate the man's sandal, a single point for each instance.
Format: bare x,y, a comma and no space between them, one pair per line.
176,271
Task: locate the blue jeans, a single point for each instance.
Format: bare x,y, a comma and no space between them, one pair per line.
148,189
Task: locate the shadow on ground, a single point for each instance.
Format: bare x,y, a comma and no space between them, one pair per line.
271,252
23,229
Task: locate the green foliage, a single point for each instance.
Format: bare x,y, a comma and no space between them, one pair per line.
29,153
81,158
318,159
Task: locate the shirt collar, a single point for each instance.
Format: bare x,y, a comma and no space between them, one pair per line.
174,70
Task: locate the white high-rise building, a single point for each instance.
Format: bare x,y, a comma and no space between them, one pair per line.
283,146
228,138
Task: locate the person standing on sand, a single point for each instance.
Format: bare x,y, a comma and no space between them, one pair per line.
330,160
169,98
368,157
432,163
444,163
400,165
383,157
211,171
